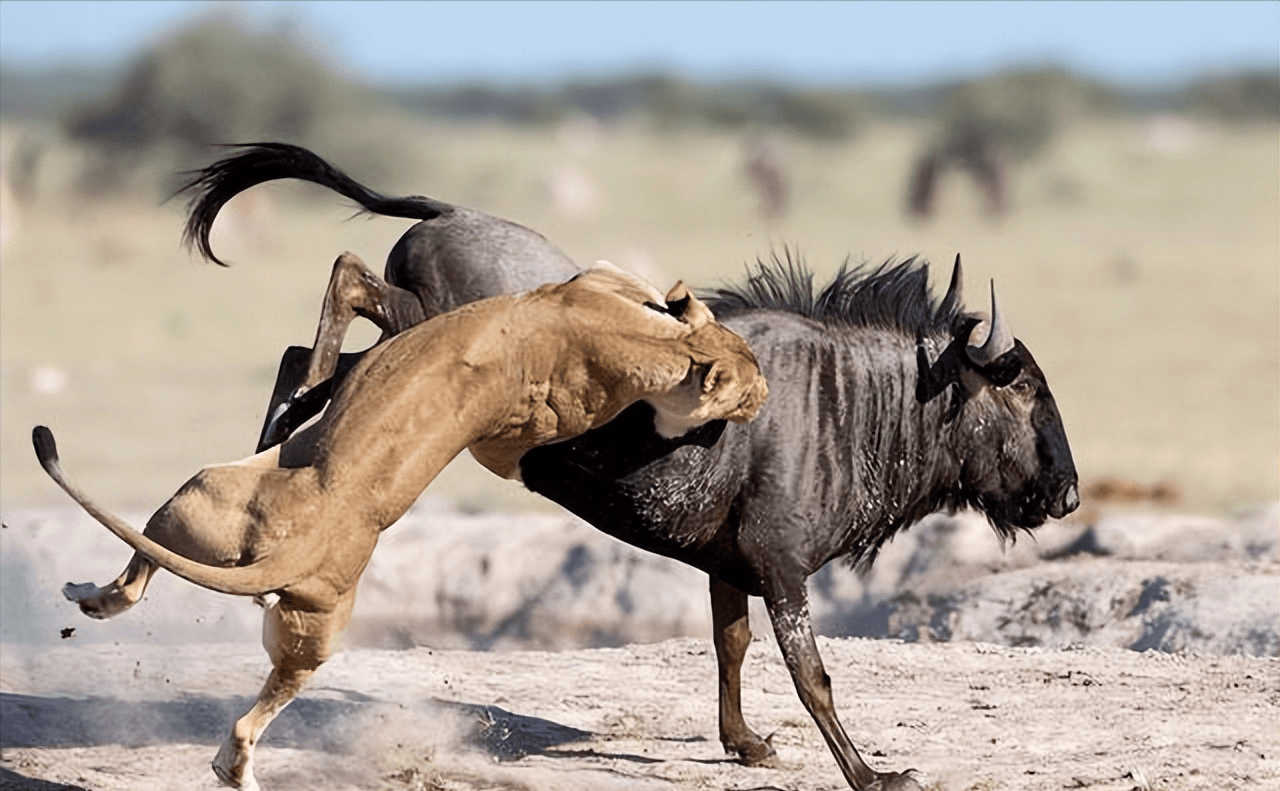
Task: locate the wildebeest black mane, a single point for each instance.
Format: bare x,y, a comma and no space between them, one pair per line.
894,295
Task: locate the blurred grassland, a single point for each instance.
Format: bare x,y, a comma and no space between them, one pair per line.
1145,279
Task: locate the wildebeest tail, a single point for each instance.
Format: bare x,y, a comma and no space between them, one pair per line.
272,573
257,163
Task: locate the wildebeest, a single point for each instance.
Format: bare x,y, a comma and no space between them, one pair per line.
451,257
881,411
766,167
498,376
968,148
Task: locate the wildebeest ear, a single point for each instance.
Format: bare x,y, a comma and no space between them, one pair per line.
682,304
1000,371
933,378
1004,369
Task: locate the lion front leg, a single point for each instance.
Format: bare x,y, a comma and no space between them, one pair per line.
298,642
108,601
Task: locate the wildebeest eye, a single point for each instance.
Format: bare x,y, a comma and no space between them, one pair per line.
1023,388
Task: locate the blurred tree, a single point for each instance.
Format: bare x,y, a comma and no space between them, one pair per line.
1249,96
666,101
216,81
1021,110
825,115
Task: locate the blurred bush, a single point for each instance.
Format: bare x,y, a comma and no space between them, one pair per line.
29,94
218,81
1249,96
1019,111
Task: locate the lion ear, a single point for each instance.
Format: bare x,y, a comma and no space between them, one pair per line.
682,304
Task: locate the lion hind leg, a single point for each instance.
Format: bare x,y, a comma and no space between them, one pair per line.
108,601
298,643
234,762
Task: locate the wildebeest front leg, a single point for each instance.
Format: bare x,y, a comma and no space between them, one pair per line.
789,610
731,634
353,291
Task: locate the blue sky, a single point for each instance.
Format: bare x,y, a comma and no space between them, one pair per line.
853,43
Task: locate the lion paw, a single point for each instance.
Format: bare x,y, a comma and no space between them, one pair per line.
100,602
234,767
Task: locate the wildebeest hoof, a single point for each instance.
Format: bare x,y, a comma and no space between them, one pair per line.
756,753
275,432
894,781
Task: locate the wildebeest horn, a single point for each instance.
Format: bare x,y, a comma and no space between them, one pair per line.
999,339
952,299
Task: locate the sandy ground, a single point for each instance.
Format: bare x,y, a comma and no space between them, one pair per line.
1132,651
966,715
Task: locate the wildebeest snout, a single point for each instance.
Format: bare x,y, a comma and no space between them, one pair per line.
1066,501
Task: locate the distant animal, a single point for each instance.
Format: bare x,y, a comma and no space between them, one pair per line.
969,149
1114,489
766,167
885,406
499,376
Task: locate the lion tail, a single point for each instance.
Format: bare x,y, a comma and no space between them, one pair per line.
273,573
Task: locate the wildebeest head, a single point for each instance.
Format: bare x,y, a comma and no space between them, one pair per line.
1015,463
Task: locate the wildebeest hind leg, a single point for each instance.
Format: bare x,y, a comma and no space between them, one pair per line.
353,291
298,643
731,634
789,610
108,601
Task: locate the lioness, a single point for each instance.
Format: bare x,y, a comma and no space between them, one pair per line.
499,377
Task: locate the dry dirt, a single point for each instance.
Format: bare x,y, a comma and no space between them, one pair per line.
1133,651
966,715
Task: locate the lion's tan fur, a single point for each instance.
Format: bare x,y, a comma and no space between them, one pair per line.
499,376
